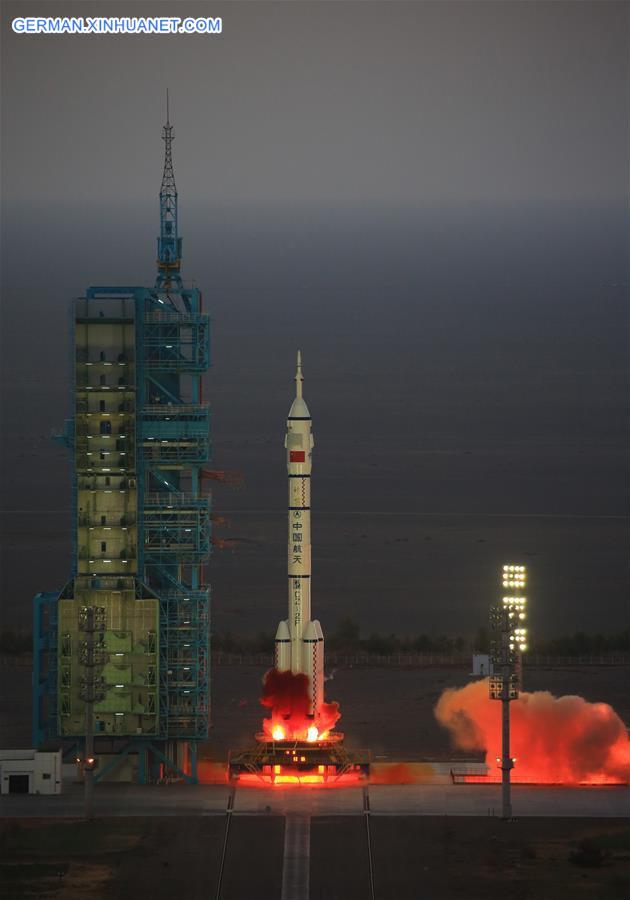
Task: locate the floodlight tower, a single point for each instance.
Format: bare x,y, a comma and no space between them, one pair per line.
507,620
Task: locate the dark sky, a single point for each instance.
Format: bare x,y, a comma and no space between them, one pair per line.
431,199
427,105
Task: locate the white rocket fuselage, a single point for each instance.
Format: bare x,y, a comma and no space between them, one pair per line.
299,640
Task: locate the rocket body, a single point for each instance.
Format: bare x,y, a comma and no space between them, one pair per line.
299,639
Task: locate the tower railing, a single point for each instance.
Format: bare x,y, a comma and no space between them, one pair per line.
167,500
179,411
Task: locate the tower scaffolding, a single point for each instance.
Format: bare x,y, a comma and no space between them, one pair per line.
139,438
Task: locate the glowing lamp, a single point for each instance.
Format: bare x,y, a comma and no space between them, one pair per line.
514,577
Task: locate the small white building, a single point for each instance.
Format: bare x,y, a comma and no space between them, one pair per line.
482,665
30,772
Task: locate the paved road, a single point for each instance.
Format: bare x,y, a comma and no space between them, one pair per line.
297,858
422,800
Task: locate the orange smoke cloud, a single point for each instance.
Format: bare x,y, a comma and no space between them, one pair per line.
287,696
558,740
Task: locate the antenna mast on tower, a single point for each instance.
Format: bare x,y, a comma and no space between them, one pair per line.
169,244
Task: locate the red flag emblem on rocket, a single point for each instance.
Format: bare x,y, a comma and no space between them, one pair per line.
297,456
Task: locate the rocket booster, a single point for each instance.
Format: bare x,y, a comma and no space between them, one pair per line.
299,640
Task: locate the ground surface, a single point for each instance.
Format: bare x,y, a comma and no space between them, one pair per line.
438,858
386,709
153,858
464,858
389,800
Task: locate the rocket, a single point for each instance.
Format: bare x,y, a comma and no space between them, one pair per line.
299,640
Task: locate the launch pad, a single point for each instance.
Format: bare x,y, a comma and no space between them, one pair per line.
299,762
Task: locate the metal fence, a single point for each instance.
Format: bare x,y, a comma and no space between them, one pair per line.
604,659
419,660
374,660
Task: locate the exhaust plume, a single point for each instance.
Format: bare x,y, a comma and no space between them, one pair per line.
557,740
287,696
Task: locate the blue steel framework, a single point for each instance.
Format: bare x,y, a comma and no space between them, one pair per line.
171,518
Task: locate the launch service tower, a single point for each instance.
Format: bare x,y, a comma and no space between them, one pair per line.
131,625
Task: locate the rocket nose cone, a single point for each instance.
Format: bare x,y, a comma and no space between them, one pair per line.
282,634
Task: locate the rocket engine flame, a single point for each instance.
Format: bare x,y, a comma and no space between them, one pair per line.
556,740
286,694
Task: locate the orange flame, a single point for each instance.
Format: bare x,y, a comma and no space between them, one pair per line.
287,696
287,776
